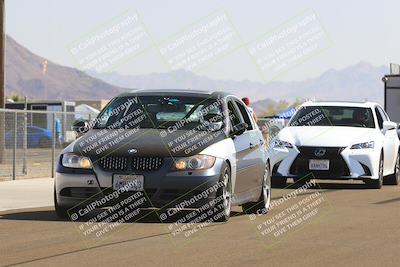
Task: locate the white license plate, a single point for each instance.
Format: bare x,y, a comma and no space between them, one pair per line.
130,182
319,164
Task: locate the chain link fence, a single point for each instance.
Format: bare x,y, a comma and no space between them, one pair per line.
31,142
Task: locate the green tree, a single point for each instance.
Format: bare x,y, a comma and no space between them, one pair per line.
281,106
16,98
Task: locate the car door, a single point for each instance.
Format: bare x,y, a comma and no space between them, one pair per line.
390,140
248,148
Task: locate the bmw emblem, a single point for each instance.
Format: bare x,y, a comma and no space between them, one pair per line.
132,151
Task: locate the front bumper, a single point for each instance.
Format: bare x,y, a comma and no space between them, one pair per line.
162,188
345,163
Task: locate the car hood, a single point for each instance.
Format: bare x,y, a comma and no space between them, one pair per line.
337,136
145,142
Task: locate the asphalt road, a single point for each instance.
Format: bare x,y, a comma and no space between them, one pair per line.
329,225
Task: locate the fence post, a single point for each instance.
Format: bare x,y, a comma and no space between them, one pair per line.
25,140
15,147
53,147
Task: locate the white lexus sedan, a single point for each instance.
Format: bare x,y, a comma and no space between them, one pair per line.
337,140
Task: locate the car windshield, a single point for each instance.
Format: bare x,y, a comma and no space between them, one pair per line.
161,112
333,116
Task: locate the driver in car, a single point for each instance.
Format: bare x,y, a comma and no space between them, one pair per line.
360,116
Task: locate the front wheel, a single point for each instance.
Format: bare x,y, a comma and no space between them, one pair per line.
263,203
45,142
224,196
376,183
394,179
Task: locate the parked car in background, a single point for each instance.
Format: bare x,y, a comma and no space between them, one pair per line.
337,140
174,145
36,137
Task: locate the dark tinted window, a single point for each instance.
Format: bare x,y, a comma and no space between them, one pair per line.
333,116
32,130
379,117
245,114
233,114
383,114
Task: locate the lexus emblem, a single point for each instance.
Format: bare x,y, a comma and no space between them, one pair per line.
320,152
132,151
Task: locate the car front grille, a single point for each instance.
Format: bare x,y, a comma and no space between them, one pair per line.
117,163
114,163
146,163
337,165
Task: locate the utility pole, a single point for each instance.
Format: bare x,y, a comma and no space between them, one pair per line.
2,96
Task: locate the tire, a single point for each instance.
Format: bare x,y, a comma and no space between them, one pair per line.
264,201
394,179
278,182
376,183
44,142
223,209
62,212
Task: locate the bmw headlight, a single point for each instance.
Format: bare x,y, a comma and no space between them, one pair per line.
198,162
369,144
282,144
71,160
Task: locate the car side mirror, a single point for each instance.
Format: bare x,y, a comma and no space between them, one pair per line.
389,125
80,127
239,129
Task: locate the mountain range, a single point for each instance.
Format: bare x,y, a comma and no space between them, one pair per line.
27,74
36,77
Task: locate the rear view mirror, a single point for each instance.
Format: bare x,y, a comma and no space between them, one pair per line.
80,127
239,129
389,125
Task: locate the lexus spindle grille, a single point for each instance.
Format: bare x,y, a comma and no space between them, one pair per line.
337,165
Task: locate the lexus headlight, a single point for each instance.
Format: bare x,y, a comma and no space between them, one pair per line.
198,162
281,144
363,145
71,160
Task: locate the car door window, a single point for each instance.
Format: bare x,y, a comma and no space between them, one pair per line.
379,118
234,117
245,115
32,131
383,114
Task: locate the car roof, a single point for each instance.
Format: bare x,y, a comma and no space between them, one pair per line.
175,92
340,104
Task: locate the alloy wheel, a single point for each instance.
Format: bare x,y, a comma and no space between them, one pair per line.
267,188
397,171
227,194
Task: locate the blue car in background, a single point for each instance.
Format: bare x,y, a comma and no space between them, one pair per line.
36,137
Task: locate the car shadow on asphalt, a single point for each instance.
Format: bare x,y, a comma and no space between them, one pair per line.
325,185
145,216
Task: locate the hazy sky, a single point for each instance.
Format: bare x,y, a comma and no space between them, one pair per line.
359,30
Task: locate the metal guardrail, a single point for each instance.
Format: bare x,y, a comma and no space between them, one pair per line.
31,142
